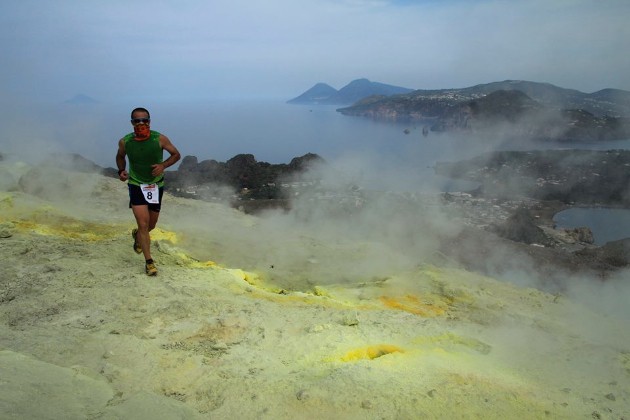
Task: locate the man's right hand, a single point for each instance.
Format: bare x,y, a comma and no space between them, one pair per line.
123,176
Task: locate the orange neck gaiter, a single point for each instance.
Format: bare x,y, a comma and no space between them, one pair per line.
142,131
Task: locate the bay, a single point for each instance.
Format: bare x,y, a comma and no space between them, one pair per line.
607,224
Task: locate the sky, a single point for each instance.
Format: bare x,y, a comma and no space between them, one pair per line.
141,52
216,49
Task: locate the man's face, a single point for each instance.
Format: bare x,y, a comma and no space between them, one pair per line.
140,117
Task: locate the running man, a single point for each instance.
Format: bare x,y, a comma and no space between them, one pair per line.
145,178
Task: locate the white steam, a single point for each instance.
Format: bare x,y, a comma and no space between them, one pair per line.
366,218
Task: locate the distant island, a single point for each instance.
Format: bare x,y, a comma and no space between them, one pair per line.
521,109
324,94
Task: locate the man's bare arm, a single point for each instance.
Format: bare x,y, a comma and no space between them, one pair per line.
121,163
172,159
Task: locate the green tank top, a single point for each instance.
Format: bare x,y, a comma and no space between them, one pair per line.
141,155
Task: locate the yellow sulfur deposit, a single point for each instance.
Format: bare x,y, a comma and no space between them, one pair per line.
158,234
185,260
256,280
69,228
247,277
427,306
371,352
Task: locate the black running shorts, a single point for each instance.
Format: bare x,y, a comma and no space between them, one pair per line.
136,198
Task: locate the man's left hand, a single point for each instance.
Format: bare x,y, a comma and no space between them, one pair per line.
158,169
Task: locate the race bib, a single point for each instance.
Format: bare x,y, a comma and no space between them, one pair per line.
151,193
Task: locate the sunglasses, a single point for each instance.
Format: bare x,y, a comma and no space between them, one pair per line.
140,120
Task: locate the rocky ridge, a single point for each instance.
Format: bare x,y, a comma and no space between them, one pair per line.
611,102
529,110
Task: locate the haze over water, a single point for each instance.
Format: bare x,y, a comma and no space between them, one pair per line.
272,131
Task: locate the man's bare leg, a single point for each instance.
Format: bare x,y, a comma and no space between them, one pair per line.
153,219
141,213
146,221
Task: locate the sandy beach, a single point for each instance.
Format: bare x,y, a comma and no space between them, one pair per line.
263,318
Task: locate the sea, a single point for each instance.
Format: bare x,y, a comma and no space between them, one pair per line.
376,154
607,224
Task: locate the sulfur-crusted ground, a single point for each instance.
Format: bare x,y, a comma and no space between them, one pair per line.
84,333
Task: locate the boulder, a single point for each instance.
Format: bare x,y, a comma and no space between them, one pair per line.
188,163
581,234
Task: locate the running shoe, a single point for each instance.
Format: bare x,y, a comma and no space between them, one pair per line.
136,245
151,269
